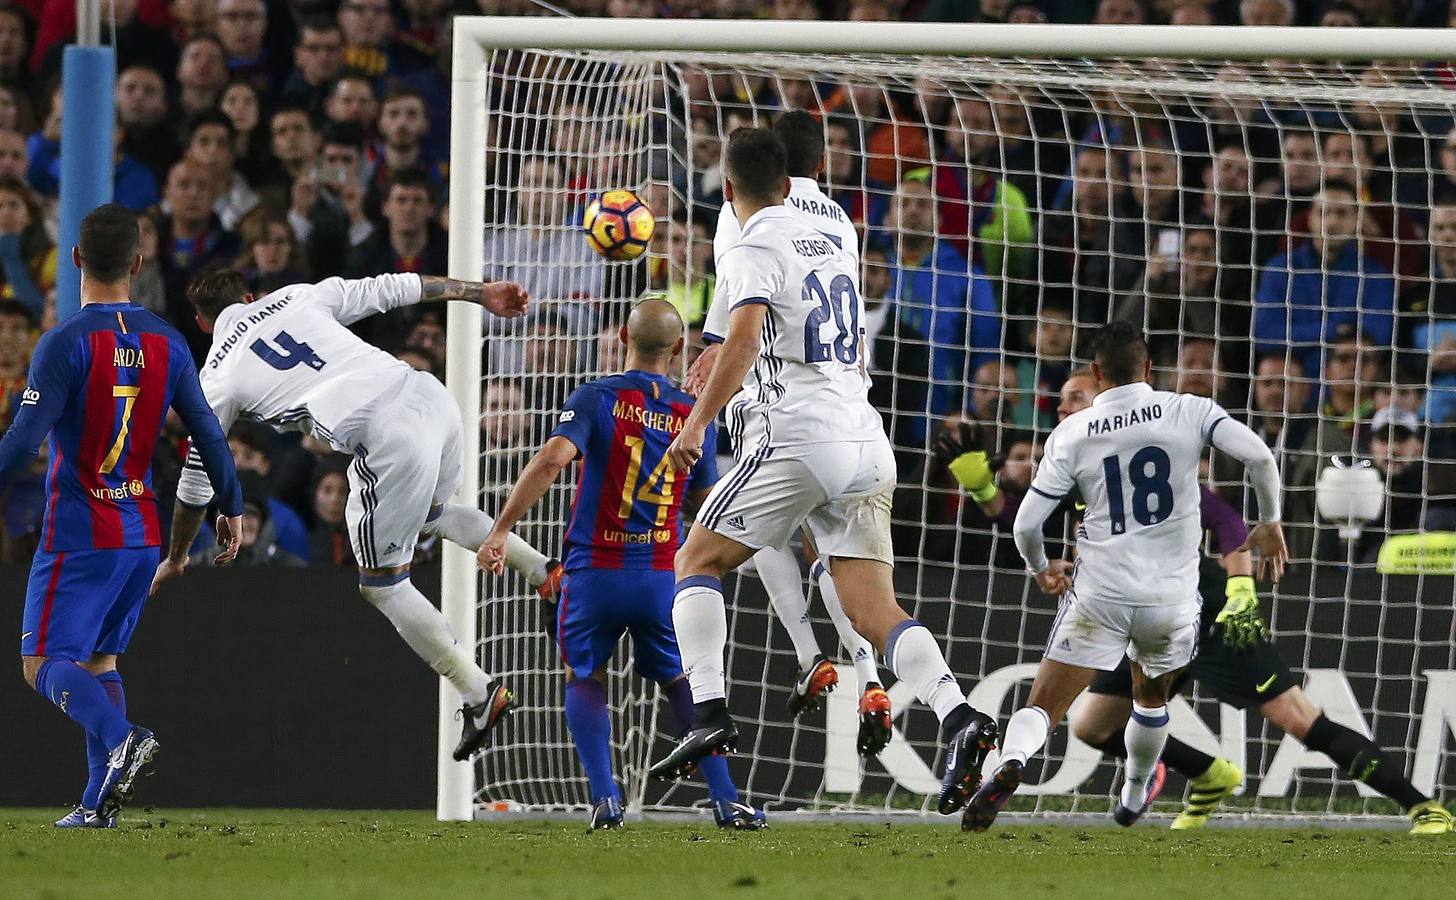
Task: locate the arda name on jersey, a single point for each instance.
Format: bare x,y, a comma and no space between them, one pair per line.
1131,417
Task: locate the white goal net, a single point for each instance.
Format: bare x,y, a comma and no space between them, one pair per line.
1285,231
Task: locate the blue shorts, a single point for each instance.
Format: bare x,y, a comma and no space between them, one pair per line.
597,605
82,602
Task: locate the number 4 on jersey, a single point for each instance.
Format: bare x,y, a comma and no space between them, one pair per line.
289,353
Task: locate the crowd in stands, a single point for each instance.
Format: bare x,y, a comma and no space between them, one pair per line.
1297,264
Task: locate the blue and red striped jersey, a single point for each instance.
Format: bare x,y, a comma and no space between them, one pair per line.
100,385
628,508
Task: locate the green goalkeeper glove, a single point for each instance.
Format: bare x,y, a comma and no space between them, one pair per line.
961,451
1239,624
973,471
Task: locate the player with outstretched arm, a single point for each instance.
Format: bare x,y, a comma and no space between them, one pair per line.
1134,457
289,361
625,529
100,385
817,456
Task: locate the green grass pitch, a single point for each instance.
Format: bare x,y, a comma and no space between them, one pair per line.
318,854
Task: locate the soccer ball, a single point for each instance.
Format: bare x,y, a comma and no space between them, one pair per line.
618,225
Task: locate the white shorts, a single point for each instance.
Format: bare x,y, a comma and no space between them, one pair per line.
840,491
408,458
1097,635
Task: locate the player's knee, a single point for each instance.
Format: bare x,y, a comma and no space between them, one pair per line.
1090,730
377,585
1291,712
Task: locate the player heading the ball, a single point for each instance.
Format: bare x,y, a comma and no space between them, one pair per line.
290,361
816,455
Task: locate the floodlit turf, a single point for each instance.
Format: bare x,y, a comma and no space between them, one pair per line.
316,854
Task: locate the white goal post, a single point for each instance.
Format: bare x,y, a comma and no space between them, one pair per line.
490,614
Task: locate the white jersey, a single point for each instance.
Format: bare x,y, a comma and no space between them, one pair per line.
807,386
1134,456
289,361
813,207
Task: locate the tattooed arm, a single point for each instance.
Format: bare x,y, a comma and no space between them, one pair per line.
503,298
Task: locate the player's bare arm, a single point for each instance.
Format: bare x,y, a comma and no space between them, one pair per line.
737,356
702,367
536,479
505,299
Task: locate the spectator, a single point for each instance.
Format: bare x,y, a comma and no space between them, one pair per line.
14,157
1445,179
688,254
414,45
892,142
252,446
611,351
210,150
22,493
241,25
260,546
1183,295
1305,297
1431,319
368,26
1266,12
191,239
897,359
148,287
1195,370
550,365
243,107
142,114
202,73
1281,395
1352,373
27,254
433,83
328,540
137,38
327,209
1152,173
943,298
1282,199
1340,15
14,28
1095,248
318,59
270,254
1120,12
294,143
995,386
1193,12
551,262
410,241
703,180
1041,376
982,214
351,99
17,341
505,435
1418,492
417,360
428,336
403,124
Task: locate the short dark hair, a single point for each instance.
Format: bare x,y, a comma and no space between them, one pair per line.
348,134
803,139
210,117
410,177
317,22
108,242
1120,352
14,309
403,92
756,163
215,290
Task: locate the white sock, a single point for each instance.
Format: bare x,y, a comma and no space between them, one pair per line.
1145,735
914,656
467,526
858,648
701,623
1026,733
778,569
424,628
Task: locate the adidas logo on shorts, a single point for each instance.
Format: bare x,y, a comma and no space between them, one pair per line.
735,522
1064,645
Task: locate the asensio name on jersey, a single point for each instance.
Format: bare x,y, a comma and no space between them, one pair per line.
809,205
808,385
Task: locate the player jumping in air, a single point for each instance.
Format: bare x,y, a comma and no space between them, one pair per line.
290,361
777,567
816,455
1134,457
620,547
100,386
1236,662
